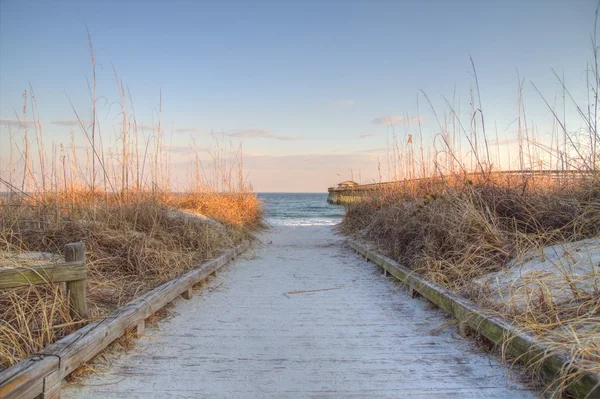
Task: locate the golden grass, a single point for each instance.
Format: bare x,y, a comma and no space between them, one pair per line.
120,199
132,247
452,218
455,230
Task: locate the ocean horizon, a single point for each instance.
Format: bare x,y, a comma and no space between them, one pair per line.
300,209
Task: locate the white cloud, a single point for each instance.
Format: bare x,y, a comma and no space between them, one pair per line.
69,122
389,120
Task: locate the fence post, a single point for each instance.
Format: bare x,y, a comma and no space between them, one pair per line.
76,289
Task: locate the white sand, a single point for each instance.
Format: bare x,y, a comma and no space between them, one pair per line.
301,317
552,271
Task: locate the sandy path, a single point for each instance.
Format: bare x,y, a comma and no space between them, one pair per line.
301,317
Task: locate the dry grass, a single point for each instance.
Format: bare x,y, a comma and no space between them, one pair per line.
132,247
140,228
453,219
455,232
459,230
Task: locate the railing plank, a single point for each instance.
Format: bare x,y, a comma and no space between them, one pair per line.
26,378
43,274
521,344
38,375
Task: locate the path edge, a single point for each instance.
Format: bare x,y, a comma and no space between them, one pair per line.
521,344
42,373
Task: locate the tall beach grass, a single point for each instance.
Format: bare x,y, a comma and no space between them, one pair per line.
453,216
139,225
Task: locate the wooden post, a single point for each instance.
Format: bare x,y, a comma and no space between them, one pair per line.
412,292
464,330
52,385
76,289
139,328
188,294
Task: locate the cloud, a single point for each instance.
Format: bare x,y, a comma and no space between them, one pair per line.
69,122
342,103
15,123
259,133
145,126
308,172
393,120
374,150
390,120
364,135
190,130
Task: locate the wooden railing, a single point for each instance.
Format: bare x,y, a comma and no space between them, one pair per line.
552,174
40,376
72,272
523,345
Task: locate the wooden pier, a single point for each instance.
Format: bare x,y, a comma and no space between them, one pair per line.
349,192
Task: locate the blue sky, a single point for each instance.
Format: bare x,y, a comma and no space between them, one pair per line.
299,82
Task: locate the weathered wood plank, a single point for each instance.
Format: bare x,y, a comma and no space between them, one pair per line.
139,328
26,378
43,274
52,385
500,331
187,294
87,342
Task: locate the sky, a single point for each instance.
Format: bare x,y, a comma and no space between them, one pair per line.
313,90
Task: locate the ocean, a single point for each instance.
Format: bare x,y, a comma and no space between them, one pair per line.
300,209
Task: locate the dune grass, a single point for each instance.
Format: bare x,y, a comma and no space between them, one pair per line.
456,231
140,225
454,217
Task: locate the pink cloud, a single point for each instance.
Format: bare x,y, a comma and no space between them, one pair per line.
364,135
393,120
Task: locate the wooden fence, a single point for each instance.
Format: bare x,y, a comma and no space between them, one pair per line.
521,344
72,272
41,375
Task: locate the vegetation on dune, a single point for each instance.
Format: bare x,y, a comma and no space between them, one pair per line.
453,219
132,247
138,231
456,233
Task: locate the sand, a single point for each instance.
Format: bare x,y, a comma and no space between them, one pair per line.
301,316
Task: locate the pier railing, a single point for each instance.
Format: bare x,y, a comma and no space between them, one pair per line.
551,174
